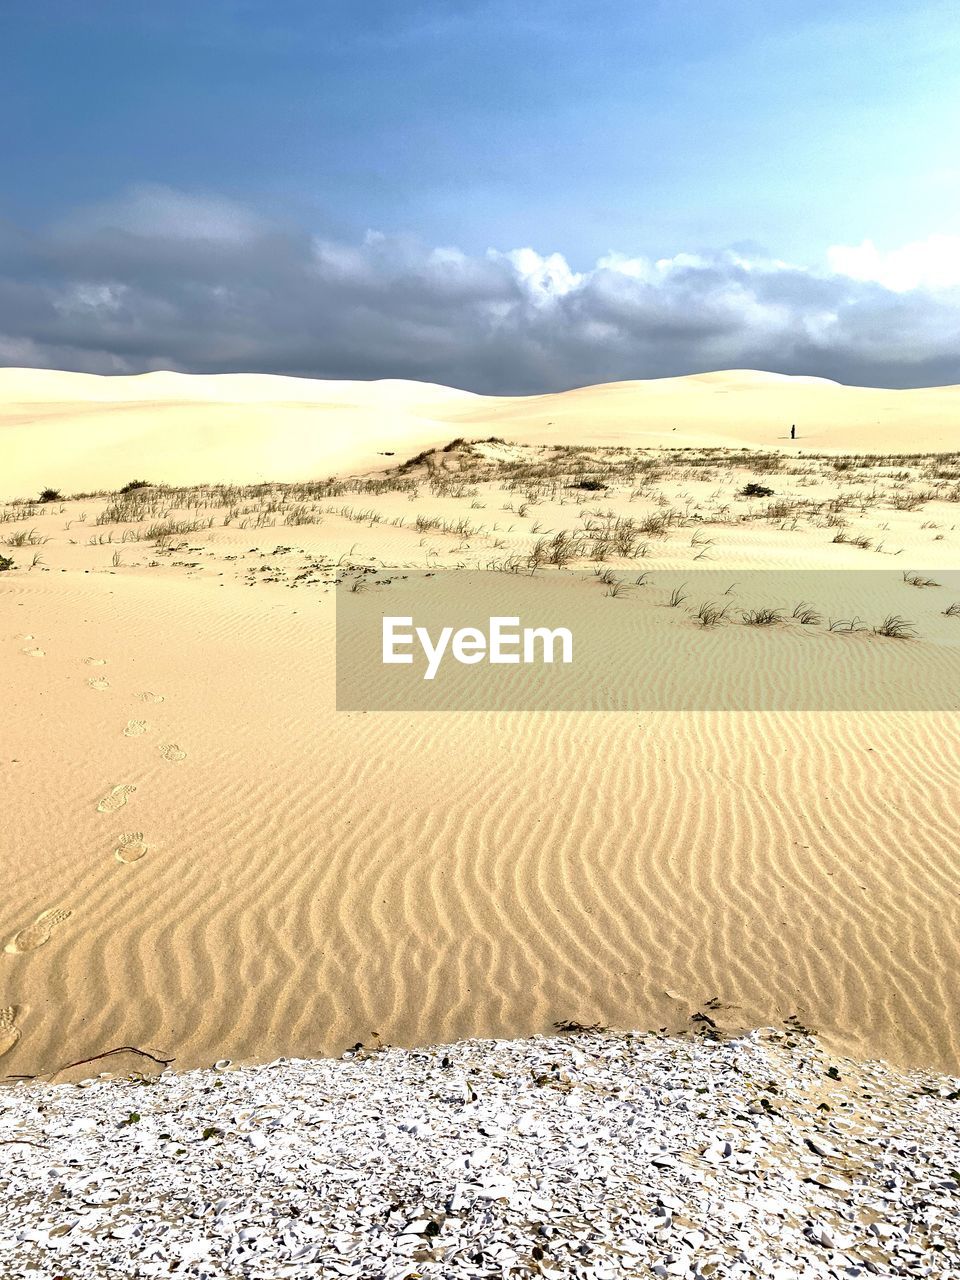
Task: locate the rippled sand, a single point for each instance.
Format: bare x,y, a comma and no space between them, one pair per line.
202,857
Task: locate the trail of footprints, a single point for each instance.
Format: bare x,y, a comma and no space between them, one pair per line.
130,846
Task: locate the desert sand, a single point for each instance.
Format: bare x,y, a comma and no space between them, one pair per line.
241,428
203,858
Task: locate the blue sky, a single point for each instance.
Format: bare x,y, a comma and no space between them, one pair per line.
706,134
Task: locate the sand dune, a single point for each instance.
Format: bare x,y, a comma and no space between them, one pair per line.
203,857
86,432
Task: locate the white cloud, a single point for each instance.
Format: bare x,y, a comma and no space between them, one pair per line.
543,278
933,263
167,279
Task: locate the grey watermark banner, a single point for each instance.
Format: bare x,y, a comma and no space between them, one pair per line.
631,640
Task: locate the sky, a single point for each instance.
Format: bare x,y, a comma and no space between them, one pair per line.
508,197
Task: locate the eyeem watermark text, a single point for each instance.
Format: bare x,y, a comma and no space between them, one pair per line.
503,643
700,640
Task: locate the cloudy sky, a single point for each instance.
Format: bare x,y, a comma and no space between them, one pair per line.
504,195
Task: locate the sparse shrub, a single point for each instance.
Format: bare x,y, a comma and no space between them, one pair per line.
780,510
766,462
755,490
805,615
590,484
561,549
895,628
861,540
26,538
708,615
51,495
417,460
846,626
764,617
907,501
130,510
5,564
165,529
655,525
300,513
132,485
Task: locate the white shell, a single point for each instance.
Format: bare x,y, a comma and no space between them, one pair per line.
610,1155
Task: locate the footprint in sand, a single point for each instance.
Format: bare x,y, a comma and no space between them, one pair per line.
34,653
150,697
135,728
130,847
9,1031
95,662
98,682
36,934
116,799
170,751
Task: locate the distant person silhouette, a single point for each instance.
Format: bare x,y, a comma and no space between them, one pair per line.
793,433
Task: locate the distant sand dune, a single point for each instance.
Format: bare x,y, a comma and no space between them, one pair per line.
86,432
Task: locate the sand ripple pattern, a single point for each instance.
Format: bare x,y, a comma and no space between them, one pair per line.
429,876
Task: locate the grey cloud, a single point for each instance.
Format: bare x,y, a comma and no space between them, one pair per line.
164,279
